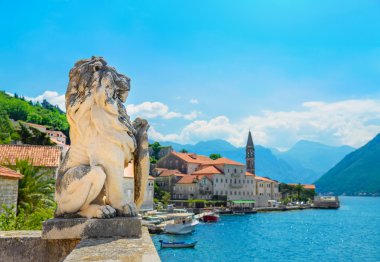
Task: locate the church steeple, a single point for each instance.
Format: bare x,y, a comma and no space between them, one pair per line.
250,154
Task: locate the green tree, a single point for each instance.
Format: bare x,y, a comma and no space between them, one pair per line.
299,189
35,189
165,198
215,156
183,151
156,148
6,128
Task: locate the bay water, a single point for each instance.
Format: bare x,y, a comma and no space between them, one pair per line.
351,233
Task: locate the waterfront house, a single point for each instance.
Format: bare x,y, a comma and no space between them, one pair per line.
267,189
8,187
205,178
167,178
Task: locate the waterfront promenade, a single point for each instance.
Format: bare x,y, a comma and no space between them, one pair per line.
347,234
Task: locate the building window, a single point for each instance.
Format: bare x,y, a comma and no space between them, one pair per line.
235,193
216,180
216,192
235,170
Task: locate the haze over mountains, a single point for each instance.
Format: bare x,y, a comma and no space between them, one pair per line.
305,162
358,173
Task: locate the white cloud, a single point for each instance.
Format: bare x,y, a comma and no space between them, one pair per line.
157,109
349,122
52,97
194,101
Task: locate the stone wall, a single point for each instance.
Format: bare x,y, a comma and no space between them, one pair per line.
8,192
25,246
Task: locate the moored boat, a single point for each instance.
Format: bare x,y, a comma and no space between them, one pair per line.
211,217
178,244
183,223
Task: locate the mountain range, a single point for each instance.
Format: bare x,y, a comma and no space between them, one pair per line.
358,173
305,162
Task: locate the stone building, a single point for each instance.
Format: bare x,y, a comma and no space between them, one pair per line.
8,187
226,179
186,163
167,178
129,187
55,136
266,189
193,187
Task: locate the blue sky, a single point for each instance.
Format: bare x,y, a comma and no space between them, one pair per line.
288,70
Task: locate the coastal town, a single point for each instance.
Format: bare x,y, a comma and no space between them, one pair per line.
185,176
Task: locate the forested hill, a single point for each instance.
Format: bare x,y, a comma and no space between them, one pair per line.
18,109
358,173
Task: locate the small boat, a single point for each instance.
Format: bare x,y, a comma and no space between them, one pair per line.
183,223
153,229
237,213
177,244
211,217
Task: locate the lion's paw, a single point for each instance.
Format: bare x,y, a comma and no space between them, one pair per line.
106,212
129,210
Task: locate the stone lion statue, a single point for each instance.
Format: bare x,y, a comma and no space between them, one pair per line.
103,143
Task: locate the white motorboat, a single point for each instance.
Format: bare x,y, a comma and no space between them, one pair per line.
182,223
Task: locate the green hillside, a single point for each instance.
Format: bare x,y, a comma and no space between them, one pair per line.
357,173
18,109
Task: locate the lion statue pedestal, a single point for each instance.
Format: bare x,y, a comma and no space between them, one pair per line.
104,142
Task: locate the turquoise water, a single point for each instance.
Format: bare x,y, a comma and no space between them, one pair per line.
351,233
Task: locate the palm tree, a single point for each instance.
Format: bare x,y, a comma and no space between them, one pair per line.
35,189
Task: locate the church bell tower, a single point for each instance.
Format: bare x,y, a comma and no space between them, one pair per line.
250,154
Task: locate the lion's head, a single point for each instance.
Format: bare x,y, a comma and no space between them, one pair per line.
93,82
87,71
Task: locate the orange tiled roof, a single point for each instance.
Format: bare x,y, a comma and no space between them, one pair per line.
199,159
225,161
264,179
7,172
249,174
169,172
304,186
34,125
192,158
208,170
189,179
44,156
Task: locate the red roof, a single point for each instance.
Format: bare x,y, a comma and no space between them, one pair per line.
188,179
35,125
43,156
225,161
199,159
170,172
192,158
304,186
249,174
207,171
7,172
